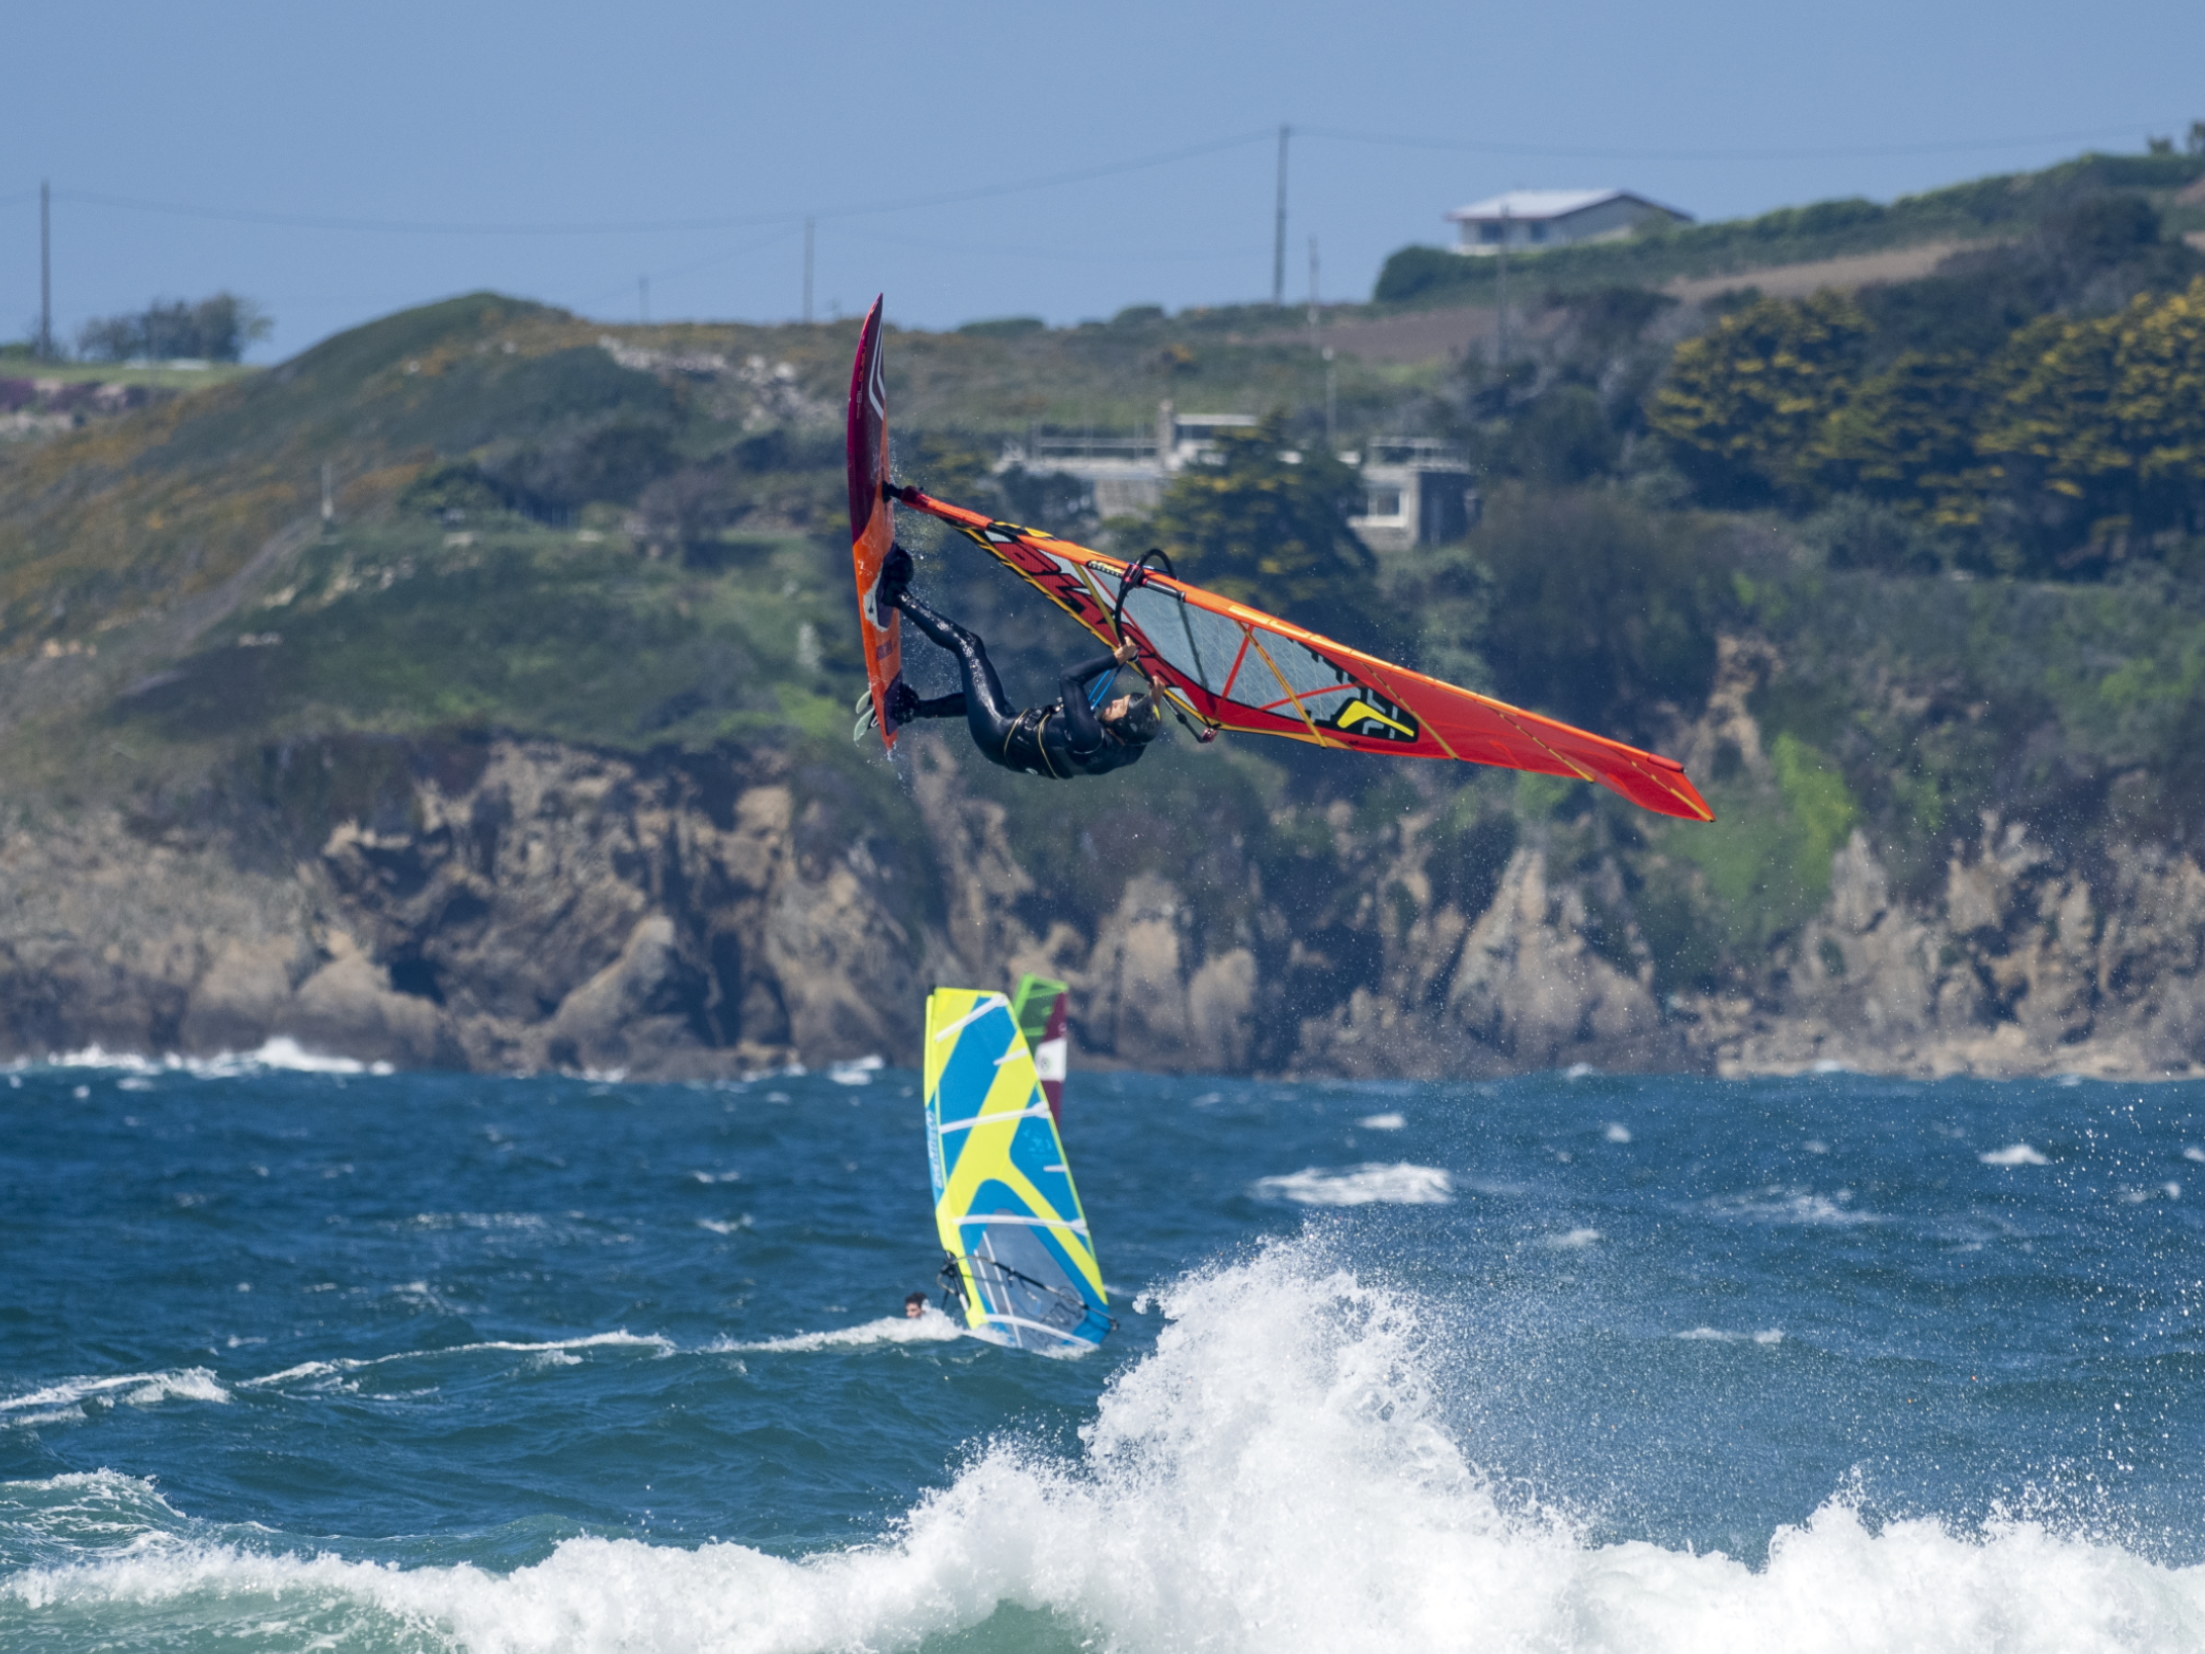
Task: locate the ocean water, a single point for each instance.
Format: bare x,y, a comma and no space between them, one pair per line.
334,1360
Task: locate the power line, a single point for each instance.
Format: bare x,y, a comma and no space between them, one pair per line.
375,226
1844,152
773,240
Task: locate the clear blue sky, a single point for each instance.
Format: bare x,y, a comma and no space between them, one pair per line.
623,119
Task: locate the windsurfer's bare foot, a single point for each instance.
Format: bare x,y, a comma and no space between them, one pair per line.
903,703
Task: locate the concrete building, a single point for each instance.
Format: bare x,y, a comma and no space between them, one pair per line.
1127,473
1416,492
1531,221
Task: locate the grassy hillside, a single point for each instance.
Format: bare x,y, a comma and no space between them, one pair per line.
634,538
1986,209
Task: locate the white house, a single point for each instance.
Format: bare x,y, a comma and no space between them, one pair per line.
1416,491
1127,473
1532,220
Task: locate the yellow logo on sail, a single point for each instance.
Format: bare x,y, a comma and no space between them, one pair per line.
1373,715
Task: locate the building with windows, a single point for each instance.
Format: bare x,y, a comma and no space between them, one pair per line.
1531,221
1416,491
1125,473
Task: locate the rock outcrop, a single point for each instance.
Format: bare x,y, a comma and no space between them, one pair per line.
517,905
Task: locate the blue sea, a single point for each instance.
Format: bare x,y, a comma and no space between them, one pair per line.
323,1359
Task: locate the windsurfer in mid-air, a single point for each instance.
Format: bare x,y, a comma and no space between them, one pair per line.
1061,738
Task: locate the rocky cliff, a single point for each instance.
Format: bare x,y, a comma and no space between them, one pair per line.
507,905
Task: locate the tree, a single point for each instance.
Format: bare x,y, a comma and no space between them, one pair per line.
216,329
1601,612
1745,403
1907,436
1267,525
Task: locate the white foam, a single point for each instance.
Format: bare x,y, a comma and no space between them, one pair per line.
2014,1154
282,1053
1714,1335
2193,1152
1372,1184
63,1402
1574,1239
859,1072
1799,1206
1274,1477
353,1364
1383,1122
1617,1132
931,1328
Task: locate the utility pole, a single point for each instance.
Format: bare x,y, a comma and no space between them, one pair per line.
1278,238
45,272
643,289
1312,292
807,272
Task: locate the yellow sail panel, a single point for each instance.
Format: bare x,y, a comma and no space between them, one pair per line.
1005,1205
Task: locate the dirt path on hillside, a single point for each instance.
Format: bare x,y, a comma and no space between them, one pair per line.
1448,335
1793,281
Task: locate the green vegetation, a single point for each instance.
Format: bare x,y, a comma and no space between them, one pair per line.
216,329
2073,439
1986,209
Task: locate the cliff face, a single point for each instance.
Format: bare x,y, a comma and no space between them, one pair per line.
514,905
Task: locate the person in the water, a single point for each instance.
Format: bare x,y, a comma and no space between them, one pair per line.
914,1306
1061,738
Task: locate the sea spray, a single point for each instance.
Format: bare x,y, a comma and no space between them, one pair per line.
1275,1476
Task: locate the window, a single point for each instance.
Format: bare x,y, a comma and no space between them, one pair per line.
1490,233
1538,232
1381,502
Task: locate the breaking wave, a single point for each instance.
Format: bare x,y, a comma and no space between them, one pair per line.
1278,1475
65,1402
281,1054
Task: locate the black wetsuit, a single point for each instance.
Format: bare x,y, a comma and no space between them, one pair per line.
1063,738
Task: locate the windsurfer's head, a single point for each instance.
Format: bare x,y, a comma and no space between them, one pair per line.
914,1306
1132,719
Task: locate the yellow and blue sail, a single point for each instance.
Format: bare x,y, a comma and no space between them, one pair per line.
1004,1201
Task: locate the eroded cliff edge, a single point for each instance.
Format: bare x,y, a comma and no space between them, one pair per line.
504,904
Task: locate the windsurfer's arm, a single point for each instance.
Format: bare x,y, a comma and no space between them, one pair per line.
1082,729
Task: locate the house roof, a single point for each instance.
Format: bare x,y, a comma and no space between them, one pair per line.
1548,204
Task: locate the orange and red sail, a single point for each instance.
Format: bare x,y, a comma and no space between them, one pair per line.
1227,666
